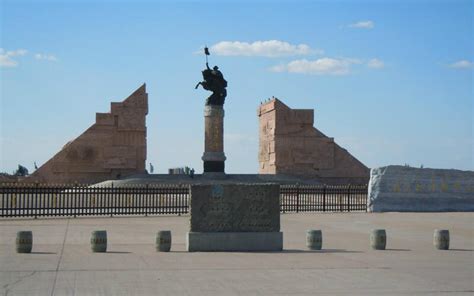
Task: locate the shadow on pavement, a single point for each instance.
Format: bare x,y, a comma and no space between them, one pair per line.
320,251
462,250
285,251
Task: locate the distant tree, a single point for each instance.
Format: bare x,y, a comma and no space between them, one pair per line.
21,171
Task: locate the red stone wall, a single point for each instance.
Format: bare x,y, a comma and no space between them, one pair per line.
113,147
290,145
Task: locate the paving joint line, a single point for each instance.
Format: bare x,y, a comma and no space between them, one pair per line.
60,257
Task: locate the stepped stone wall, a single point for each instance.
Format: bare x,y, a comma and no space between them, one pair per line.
112,148
406,189
289,144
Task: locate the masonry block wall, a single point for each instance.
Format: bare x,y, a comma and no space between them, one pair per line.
112,148
289,144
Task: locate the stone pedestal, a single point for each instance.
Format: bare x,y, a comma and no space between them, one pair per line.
235,217
234,241
214,156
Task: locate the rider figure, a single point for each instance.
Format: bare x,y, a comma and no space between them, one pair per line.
215,82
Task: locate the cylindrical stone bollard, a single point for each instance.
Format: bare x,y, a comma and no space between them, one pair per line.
163,241
99,241
314,239
24,241
378,239
441,239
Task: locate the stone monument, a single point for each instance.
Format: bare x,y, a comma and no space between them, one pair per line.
289,144
214,157
235,217
229,216
397,188
113,147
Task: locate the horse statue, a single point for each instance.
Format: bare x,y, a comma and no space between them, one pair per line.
214,81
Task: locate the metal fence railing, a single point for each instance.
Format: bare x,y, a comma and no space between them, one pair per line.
73,200
323,198
37,200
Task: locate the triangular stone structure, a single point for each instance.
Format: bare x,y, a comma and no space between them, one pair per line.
112,148
290,145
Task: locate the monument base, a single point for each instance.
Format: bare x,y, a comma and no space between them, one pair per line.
214,166
234,241
214,162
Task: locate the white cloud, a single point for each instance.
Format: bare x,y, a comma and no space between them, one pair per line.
18,52
7,61
47,57
363,25
6,57
462,64
375,64
323,66
268,48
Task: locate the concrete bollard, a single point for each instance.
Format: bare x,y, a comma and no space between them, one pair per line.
163,241
24,241
99,241
314,239
378,239
441,239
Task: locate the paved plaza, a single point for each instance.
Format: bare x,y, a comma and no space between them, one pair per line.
62,264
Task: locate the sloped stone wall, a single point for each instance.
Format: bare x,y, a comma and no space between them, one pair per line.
406,189
289,144
112,148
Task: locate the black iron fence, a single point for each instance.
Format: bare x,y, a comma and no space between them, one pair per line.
64,200
323,198
25,200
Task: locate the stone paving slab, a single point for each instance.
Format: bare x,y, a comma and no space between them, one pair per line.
62,263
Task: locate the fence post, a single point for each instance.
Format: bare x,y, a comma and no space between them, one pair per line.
297,197
349,198
36,199
341,199
146,200
366,190
111,195
5,195
324,198
178,199
281,199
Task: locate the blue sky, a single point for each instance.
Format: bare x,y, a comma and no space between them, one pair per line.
391,81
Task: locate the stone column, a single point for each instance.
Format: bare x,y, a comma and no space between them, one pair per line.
214,156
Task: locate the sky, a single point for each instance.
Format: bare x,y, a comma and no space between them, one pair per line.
391,81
